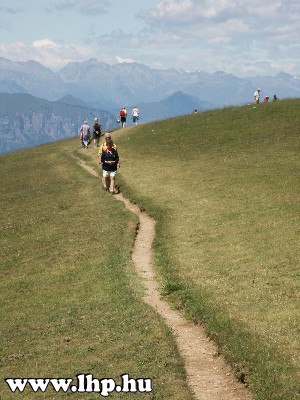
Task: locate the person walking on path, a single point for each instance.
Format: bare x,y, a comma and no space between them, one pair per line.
110,163
256,96
135,115
85,134
123,116
96,132
103,147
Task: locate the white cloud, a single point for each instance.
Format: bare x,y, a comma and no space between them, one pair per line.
236,36
254,16
46,52
225,30
193,11
121,60
44,44
171,10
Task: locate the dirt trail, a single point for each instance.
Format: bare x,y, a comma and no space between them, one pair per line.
208,375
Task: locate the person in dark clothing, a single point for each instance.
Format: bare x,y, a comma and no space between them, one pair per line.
110,163
96,132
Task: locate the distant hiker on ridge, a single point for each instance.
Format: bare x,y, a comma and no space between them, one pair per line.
96,132
123,116
135,115
85,134
256,96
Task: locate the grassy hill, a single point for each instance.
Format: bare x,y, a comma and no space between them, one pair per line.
224,188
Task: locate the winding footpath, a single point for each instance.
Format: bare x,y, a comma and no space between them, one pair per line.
208,375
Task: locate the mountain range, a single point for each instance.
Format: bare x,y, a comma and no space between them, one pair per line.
58,102
26,121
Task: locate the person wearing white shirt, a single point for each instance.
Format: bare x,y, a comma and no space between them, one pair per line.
256,96
135,115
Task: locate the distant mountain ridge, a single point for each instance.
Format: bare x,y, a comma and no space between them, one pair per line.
176,104
27,121
111,86
39,105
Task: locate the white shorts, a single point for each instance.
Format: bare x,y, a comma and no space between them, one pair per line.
109,173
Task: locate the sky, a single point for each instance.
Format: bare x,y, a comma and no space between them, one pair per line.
240,37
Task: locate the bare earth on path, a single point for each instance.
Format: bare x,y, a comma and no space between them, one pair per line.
209,377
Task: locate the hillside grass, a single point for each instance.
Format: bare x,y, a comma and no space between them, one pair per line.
70,300
224,188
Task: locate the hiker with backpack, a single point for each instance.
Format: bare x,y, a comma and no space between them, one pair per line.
109,160
106,180
96,132
123,116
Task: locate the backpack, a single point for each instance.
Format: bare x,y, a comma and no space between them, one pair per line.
122,113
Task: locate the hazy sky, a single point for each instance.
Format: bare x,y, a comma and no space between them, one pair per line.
242,37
